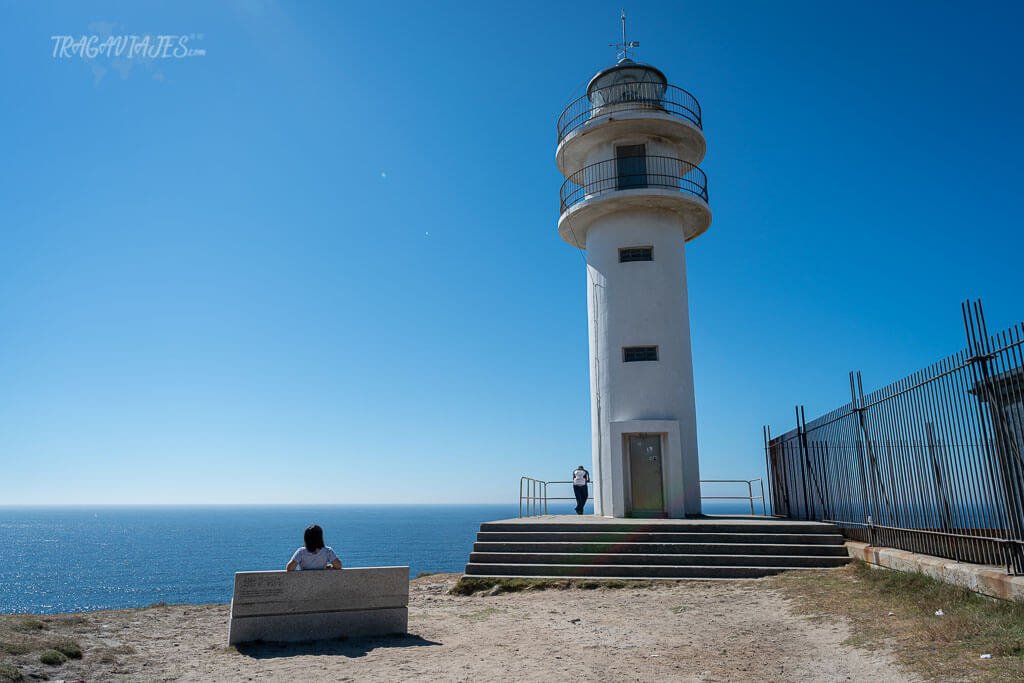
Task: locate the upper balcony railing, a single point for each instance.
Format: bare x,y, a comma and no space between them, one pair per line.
633,173
623,97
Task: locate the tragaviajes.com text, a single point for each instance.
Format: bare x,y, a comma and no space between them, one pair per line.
127,46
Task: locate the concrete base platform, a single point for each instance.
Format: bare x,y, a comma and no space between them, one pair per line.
698,548
725,524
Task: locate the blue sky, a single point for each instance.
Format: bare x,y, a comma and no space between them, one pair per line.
320,264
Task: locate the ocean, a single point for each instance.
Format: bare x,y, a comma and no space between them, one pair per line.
70,559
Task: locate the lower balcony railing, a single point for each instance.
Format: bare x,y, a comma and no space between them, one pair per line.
633,173
534,496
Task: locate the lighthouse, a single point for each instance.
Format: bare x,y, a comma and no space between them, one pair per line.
632,199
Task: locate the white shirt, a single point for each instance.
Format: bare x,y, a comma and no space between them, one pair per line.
580,477
317,560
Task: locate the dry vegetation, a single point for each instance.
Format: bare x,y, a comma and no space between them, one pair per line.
889,610
42,639
896,611
804,619
470,585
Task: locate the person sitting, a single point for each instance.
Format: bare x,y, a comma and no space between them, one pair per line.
314,555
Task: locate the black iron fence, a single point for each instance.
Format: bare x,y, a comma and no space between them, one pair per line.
631,173
930,464
667,99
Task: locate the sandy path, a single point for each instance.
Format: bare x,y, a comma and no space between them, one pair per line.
699,631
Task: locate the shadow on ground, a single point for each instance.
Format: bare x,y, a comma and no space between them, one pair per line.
344,647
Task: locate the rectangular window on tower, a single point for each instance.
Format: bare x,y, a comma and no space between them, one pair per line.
627,254
631,354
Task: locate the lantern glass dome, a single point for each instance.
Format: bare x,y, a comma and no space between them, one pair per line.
627,82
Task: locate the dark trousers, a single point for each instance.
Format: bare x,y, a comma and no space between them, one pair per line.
581,497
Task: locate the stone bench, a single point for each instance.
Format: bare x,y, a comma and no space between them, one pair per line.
312,605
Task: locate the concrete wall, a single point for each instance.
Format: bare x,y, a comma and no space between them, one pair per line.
980,578
313,605
641,303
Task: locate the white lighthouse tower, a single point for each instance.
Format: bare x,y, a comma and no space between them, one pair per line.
633,197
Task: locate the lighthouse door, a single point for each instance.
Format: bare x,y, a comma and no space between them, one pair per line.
645,475
631,166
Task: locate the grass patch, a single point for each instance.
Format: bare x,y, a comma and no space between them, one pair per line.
10,674
943,647
481,615
53,657
592,584
27,635
425,574
67,647
26,623
111,655
469,585
15,647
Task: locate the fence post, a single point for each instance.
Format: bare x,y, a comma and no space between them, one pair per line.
782,480
1001,442
768,466
810,468
803,464
857,403
929,433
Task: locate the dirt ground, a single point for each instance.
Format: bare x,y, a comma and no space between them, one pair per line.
691,631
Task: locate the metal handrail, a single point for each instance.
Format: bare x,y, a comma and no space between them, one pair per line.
532,496
750,492
633,173
534,493
667,99
536,496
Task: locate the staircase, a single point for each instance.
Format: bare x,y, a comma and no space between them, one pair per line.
706,548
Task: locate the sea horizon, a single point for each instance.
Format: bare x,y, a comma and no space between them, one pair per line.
17,506
71,558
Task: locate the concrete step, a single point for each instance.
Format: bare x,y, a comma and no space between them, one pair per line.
662,548
656,537
821,561
622,571
669,525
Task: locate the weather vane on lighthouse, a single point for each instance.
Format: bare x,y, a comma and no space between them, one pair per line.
622,49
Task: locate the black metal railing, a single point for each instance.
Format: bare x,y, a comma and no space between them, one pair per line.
930,464
632,173
667,99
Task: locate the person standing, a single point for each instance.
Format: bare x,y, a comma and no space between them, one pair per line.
580,479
